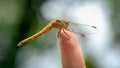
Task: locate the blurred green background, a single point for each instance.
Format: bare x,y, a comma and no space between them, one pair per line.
20,19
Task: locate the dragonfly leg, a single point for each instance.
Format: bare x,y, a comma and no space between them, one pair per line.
71,30
66,33
59,34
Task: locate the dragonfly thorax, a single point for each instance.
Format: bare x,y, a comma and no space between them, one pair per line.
60,24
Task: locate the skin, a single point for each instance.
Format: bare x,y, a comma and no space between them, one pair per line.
71,53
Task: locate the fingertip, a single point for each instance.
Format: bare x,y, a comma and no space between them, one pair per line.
67,37
70,50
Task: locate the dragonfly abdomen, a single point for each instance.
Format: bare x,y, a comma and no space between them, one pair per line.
44,30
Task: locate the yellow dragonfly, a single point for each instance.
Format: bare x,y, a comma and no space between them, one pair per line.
81,29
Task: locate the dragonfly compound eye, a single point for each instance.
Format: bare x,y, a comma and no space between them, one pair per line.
58,21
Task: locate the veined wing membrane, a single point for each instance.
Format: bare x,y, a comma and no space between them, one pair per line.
82,29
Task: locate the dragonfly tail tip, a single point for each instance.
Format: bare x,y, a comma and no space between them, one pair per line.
19,44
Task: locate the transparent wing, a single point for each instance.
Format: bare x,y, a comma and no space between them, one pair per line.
82,29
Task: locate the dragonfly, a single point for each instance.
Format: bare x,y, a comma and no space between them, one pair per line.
81,29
